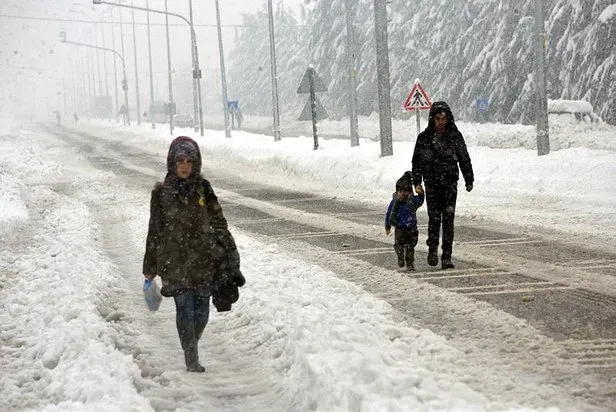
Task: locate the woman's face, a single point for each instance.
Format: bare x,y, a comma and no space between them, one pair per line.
183,167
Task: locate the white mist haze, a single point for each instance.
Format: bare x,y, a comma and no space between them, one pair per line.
37,69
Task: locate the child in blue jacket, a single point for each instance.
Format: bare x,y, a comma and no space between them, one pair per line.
401,214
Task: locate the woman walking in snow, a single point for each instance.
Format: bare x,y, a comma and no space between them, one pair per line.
189,247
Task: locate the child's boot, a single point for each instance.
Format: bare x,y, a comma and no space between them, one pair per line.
410,258
400,253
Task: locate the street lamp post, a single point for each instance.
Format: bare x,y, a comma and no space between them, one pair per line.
115,69
275,104
169,70
147,4
195,97
352,73
223,77
98,61
105,64
85,79
136,69
124,82
196,69
92,72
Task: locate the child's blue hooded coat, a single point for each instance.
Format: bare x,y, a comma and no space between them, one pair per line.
403,213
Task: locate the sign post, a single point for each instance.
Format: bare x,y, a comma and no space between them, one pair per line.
417,100
312,83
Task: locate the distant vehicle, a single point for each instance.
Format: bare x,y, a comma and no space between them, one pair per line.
183,120
159,112
573,110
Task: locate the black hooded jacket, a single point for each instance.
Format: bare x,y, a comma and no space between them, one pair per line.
436,156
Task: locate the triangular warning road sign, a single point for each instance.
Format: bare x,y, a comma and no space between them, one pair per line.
304,86
417,100
307,112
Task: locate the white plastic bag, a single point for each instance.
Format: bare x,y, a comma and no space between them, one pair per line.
152,295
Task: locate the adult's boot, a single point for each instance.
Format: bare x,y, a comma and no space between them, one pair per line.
191,354
446,263
433,255
192,361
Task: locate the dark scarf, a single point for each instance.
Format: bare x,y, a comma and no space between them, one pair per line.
184,187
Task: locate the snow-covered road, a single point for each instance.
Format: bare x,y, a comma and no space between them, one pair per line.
76,334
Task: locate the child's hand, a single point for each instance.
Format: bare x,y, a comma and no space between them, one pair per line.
387,231
419,189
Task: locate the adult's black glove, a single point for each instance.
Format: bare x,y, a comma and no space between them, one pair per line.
469,187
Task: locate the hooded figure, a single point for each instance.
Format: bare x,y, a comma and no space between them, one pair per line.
189,247
405,182
440,153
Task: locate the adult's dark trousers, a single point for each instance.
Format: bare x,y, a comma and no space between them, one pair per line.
441,202
192,314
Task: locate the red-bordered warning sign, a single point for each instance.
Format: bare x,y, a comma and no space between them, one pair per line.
418,99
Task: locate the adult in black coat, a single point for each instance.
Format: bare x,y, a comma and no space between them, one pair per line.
440,152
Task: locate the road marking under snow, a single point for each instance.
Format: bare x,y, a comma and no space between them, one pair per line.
525,290
500,242
593,353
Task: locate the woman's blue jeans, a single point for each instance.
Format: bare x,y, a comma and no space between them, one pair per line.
192,314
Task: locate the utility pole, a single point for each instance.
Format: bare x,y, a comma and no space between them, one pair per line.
85,80
147,5
352,73
543,137
98,62
195,79
93,77
105,65
115,71
382,67
223,77
169,70
275,103
124,82
132,13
